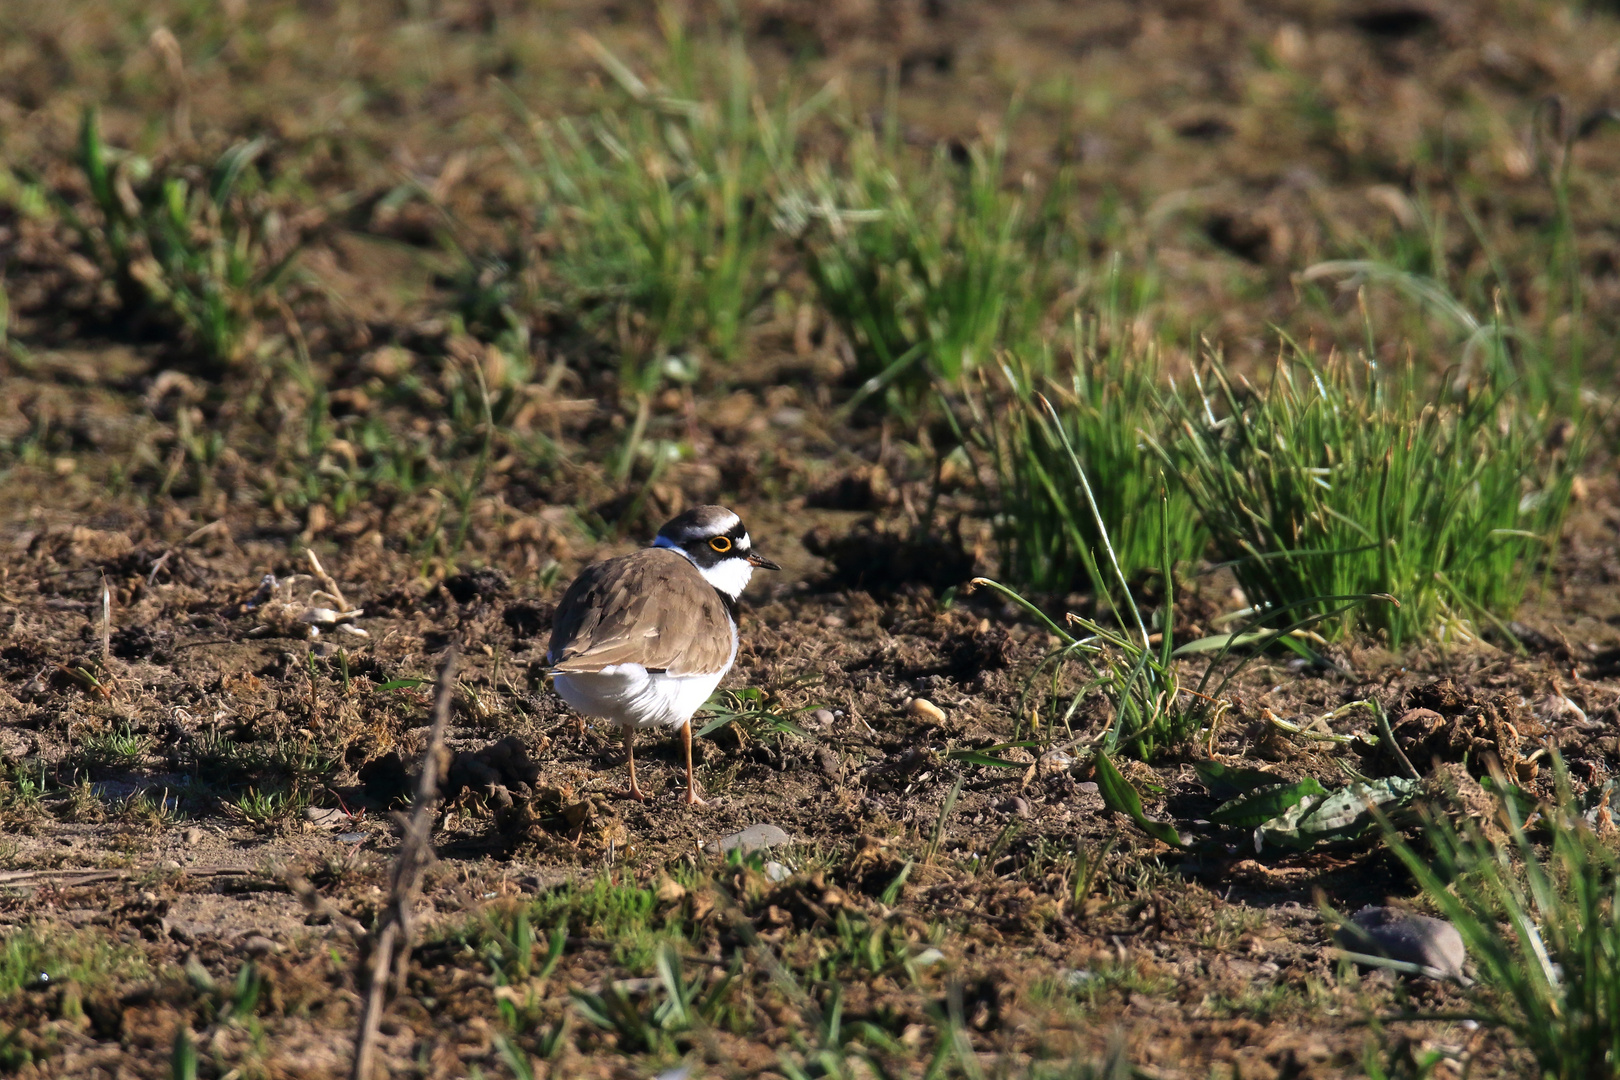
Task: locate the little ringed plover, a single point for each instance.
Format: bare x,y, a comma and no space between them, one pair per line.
644,639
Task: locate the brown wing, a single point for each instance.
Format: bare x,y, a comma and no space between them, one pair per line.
651,608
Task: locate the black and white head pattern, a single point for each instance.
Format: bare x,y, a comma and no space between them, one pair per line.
717,543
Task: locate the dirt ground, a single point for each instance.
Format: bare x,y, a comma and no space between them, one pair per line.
176,754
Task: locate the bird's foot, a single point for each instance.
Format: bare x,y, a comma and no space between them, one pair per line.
693,798
635,793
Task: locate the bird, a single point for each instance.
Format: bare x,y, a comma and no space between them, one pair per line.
643,640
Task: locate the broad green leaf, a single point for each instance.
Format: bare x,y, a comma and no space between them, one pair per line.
1344,815
714,725
1120,797
1265,803
1229,781
1217,642
402,684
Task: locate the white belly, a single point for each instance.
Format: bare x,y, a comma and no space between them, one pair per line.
632,696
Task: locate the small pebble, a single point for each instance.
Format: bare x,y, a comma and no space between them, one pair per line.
777,872
927,710
824,717
192,835
1055,761
1088,786
258,946
1020,806
323,818
754,838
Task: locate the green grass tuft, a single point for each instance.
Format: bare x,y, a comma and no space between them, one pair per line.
197,246
1107,407
925,271
661,207
1338,479
37,955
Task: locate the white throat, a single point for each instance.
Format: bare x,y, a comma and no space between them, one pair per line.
730,576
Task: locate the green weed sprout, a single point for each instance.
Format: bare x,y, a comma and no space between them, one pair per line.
926,274
194,248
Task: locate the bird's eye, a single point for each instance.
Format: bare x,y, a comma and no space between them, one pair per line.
721,544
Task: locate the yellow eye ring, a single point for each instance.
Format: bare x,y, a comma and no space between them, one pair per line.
721,544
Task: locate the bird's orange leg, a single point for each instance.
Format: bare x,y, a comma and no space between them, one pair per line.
630,756
692,797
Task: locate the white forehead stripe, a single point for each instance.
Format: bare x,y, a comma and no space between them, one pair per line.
716,524
713,526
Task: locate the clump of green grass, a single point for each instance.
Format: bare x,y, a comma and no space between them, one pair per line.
115,748
661,208
1336,479
1137,674
22,788
1107,407
683,1005
197,247
269,809
623,913
38,955
1539,919
925,271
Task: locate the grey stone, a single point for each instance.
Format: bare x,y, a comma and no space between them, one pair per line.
259,946
1400,935
754,838
1055,761
777,872
192,835
325,818
823,717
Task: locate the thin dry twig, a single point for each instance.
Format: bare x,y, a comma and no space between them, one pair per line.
72,878
327,582
106,626
1389,737
316,904
391,942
